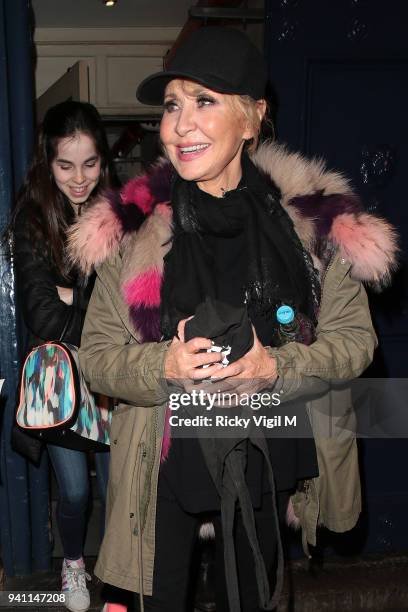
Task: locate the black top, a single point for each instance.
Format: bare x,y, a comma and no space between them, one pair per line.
44,314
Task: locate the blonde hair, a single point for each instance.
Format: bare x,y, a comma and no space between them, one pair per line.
245,106
248,108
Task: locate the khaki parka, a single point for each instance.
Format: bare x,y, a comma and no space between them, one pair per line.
118,362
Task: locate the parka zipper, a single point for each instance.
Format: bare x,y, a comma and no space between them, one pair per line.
142,454
141,521
307,483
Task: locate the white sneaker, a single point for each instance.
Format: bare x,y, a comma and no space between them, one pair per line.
74,579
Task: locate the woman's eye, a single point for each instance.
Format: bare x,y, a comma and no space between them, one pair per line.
91,164
65,167
205,101
170,106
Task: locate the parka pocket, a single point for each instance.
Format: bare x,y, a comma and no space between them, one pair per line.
127,429
146,472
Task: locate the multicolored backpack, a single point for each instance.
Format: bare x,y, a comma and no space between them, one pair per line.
55,402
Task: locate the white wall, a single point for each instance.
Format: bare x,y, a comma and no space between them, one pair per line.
117,58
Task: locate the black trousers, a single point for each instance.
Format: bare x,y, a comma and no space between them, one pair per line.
176,534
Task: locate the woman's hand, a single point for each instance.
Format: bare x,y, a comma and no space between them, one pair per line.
66,295
255,371
184,360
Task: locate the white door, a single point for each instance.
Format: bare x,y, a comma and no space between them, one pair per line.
73,85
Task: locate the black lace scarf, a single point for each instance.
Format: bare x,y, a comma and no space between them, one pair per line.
241,249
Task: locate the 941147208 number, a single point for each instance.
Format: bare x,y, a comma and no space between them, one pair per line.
22,599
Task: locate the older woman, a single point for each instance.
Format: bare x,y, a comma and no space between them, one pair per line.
245,231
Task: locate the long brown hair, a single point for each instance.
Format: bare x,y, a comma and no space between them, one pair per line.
48,212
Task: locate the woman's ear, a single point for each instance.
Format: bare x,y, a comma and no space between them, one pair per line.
261,108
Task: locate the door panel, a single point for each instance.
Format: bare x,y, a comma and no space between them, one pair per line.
340,72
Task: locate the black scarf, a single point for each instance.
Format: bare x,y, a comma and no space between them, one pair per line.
239,249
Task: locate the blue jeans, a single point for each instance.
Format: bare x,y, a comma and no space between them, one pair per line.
72,474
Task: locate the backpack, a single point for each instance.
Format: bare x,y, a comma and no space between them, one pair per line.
55,402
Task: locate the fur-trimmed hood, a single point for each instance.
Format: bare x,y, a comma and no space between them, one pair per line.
325,212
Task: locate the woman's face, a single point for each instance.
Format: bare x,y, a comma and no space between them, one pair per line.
77,167
203,136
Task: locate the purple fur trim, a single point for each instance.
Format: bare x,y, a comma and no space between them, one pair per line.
322,209
130,217
160,182
147,321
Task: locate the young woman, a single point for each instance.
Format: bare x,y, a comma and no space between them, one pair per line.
248,227
69,169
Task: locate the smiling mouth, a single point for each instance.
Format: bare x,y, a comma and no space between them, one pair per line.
79,190
193,148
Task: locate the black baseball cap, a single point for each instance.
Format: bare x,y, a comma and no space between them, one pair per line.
222,59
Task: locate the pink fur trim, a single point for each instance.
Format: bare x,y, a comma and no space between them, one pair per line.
138,191
144,289
146,249
368,243
164,210
94,236
166,437
291,518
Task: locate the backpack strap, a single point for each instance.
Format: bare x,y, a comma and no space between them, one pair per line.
67,323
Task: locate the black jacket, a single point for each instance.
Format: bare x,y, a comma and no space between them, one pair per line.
45,315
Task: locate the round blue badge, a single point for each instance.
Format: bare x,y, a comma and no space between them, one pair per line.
285,314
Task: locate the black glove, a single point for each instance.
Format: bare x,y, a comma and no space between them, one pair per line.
225,325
